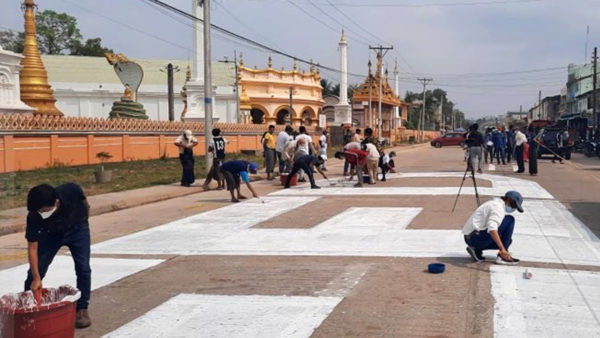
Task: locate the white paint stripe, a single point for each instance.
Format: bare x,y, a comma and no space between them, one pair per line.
188,315
500,185
363,232
554,303
492,167
62,271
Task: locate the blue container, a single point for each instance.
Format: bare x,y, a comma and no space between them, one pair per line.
436,268
367,179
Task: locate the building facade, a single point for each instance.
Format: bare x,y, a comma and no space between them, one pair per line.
269,93
579,90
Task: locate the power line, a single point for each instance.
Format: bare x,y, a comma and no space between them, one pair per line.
339,23
439,4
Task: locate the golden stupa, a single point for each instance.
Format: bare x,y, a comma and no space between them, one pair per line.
35,89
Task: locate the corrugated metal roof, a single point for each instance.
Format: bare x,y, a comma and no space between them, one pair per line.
90,69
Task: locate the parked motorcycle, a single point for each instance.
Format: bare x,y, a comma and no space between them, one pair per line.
591,148
579,146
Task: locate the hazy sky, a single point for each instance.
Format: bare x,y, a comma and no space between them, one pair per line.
451,41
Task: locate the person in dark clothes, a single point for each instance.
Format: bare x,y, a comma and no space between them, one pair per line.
475,143
218,150
520,141
236,171
533,150
58,217
499,145
307,163
186,144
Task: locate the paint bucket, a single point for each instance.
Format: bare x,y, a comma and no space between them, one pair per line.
436,268
293,181
366,179
53,317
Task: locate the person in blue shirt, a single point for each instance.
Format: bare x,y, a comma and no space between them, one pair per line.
489,146
510,143
58,217
236,171
499,145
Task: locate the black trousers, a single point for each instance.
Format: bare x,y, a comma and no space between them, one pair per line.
296,168
187,165
533,167
519,156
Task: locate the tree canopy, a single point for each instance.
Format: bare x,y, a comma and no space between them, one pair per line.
433,119
57,33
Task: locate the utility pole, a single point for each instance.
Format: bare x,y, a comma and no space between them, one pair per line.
208,90
291,102
595,71
170,69
370,101
424,81
236,89
380,54
540,105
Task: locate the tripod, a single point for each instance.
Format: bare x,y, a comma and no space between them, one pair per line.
469,167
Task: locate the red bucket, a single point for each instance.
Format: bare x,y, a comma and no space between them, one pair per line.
22,317
293,181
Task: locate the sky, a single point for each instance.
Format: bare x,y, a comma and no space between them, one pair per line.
491,56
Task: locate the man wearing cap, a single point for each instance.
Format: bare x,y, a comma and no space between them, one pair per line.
233,171
491,228
307,163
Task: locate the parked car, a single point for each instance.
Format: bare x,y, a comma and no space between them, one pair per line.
449,139
548,142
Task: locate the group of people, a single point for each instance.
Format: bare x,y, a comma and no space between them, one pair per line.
501,145
365,156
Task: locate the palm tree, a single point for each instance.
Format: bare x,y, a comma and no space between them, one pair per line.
327,87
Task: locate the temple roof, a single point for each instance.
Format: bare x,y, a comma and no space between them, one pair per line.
362,92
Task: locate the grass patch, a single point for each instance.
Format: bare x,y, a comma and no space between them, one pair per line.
126,176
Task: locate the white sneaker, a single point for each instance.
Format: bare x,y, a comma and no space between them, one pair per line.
502,261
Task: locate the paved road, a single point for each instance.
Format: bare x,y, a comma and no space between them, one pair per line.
342,261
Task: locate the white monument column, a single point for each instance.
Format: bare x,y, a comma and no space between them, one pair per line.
397,116
342,111
195,88
10,89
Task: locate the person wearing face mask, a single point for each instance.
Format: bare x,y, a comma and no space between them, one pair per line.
58,217
491,227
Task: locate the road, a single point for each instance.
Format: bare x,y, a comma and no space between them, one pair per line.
342,261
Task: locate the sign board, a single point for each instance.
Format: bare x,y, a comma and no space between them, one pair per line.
322,120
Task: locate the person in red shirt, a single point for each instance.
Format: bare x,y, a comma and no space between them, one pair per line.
357,160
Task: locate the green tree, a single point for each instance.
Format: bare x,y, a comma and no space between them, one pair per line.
57,33
327,87
92,47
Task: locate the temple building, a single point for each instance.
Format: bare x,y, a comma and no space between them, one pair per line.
269,93
365,104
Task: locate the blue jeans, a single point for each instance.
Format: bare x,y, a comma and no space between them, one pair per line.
78,242
483,240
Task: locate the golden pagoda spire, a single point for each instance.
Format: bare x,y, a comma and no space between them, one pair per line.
270,62
35,89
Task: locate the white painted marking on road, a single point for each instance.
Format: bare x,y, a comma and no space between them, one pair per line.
62,271
492,167
550,304
500,185
189,315
547,232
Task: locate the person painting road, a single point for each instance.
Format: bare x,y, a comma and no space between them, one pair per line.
58,217
307,163
491,227
236,171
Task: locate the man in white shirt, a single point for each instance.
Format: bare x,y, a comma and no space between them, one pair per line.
490,228
520,140
372,161
323,149
282,139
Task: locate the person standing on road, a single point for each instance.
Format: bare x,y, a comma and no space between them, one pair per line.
499,145
282,139
58,217
186,144
489,146
533,150
491,228
307,163
520,140
218,151
560,143
347,139
269,146
510,143
236,171
323,149
475,143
